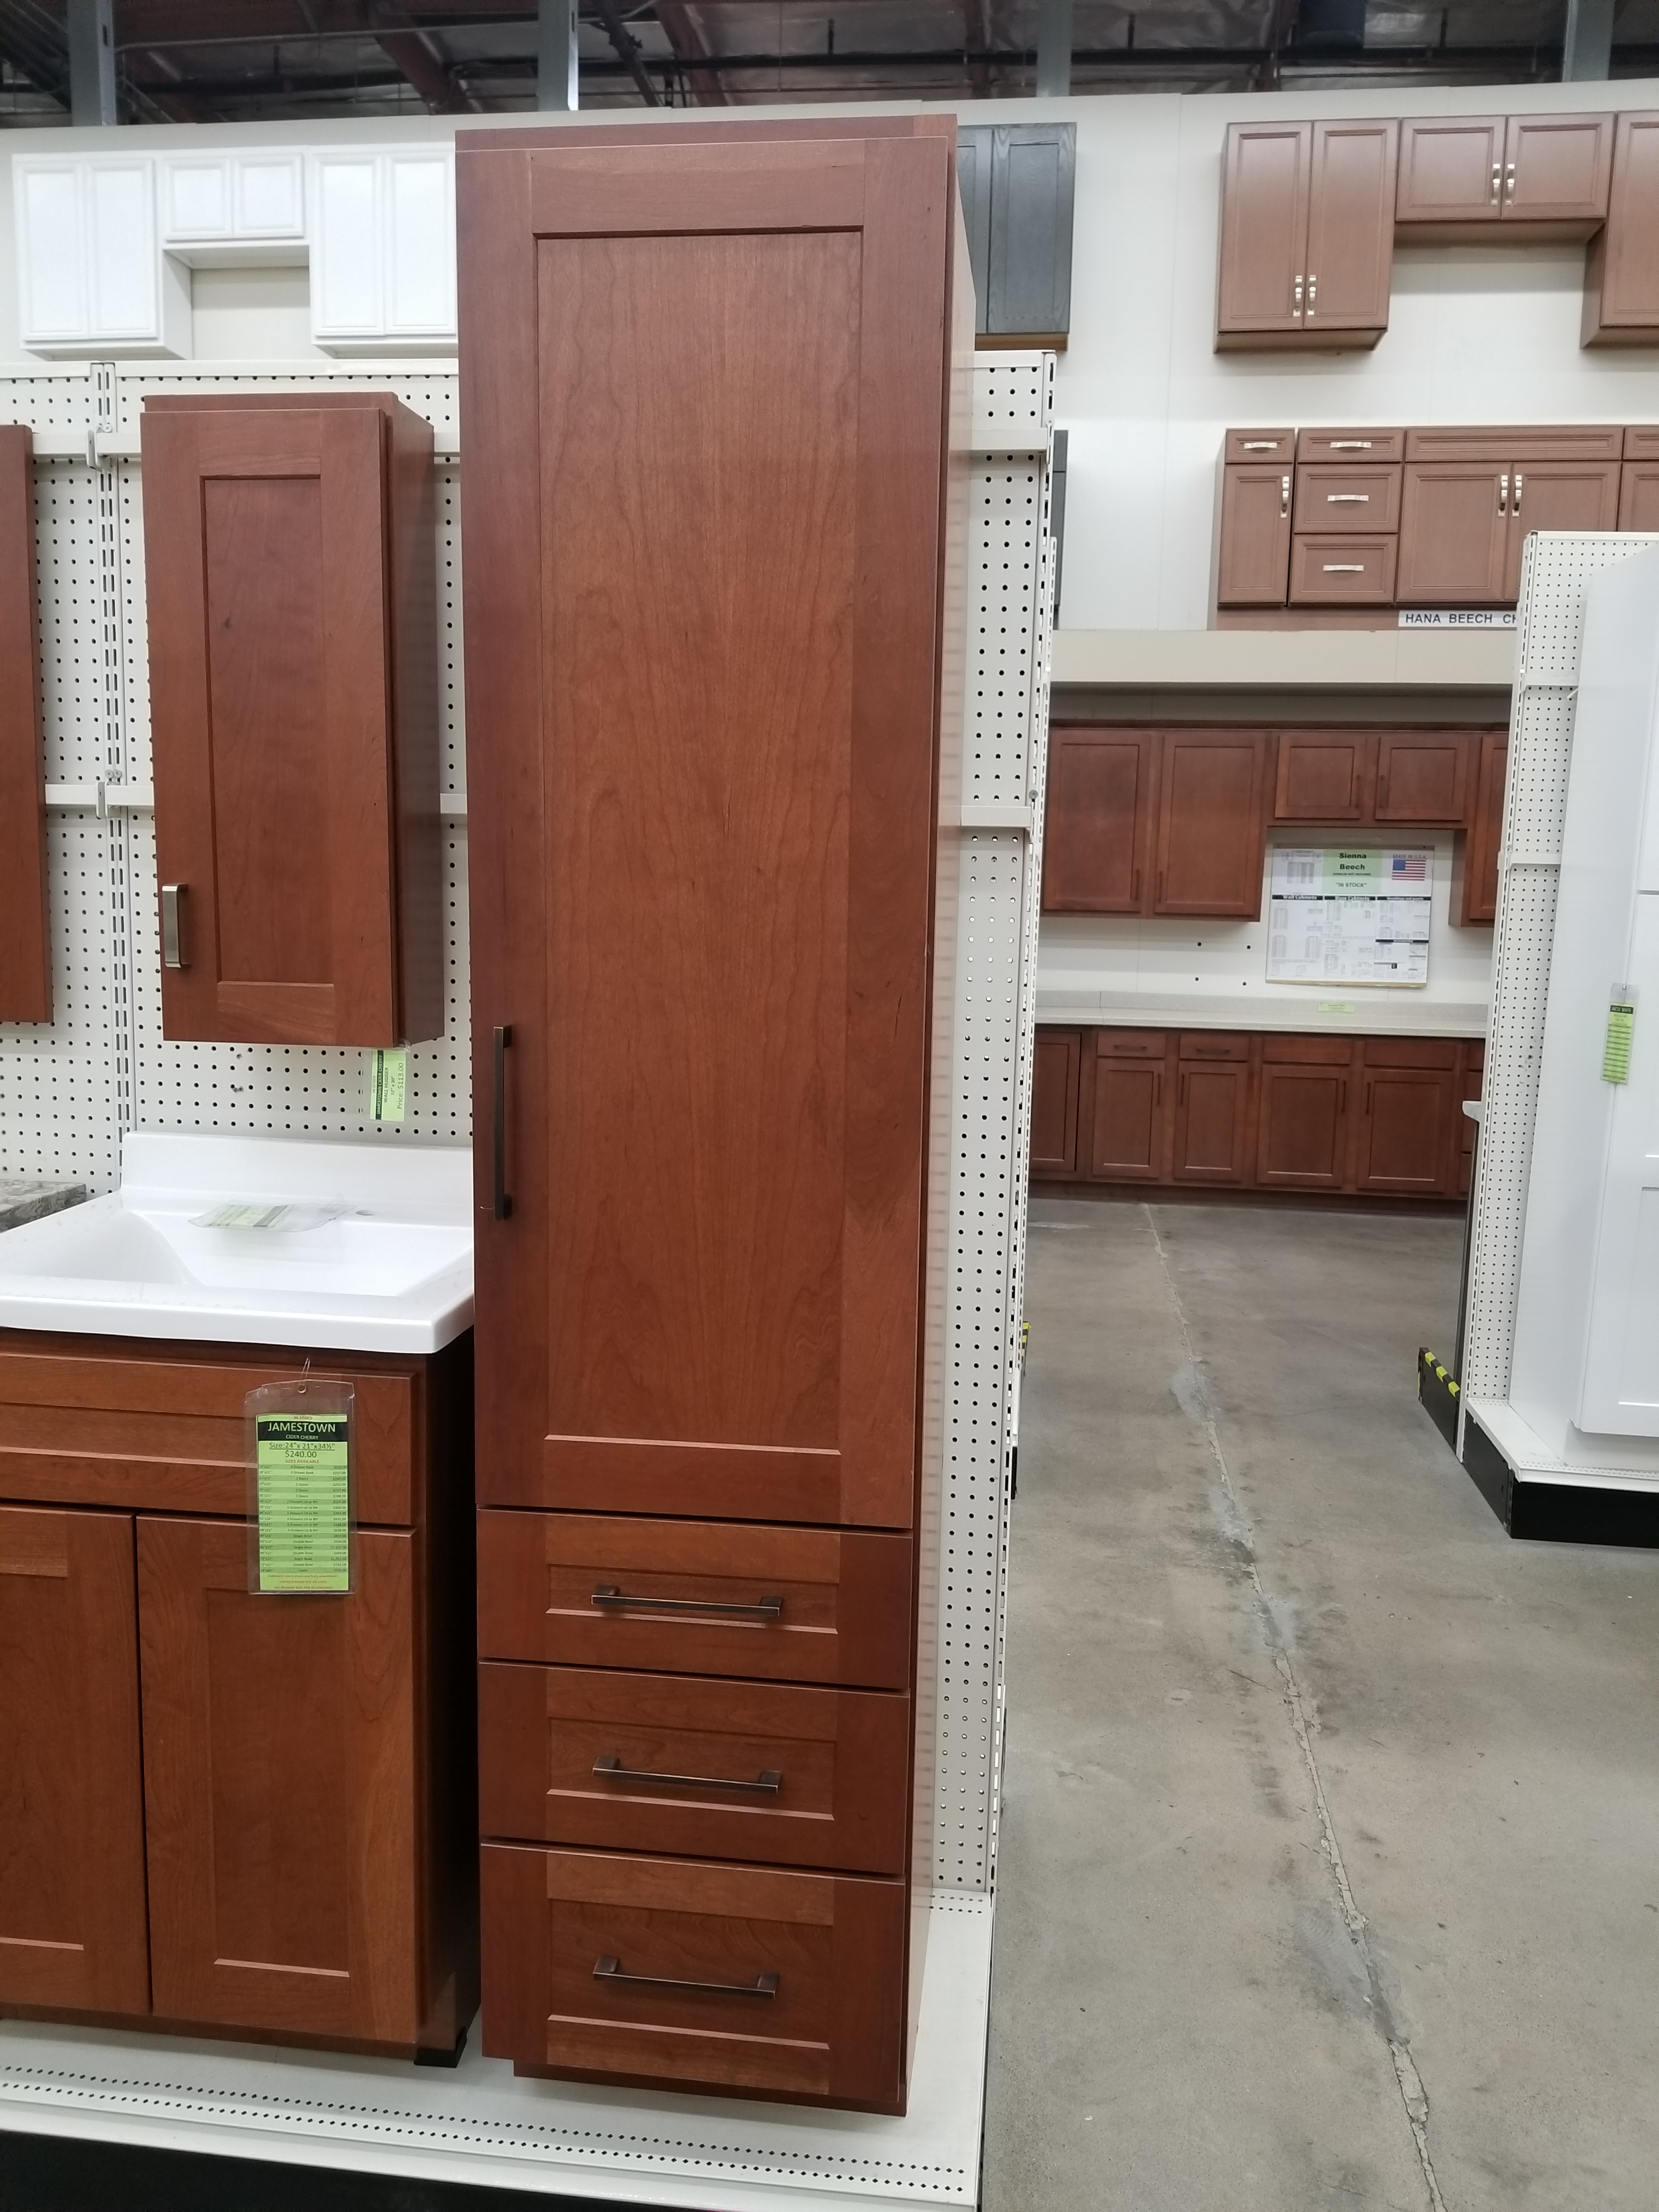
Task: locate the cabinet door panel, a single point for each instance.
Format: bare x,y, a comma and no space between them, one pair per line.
1264,228
1479,884
25,919
1211,822
1325,775
1330,498
1350,258
1638,493
1336,571
1212,1135
1559,496
1253,567
701,874
1557,168
1302,1124
1405,1137
72,1912
652,1969
1621,272
1128,1137
1454,534
1451,169
1054,1064
279,1789
1423,779
1098,817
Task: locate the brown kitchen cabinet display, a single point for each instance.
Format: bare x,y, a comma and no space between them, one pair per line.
702,886
291,563
24,921
1307,234
266,1828
1460,175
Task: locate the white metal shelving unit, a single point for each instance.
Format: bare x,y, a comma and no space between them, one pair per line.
67,1091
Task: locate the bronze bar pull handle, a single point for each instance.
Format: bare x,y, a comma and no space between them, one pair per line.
769,1782
765,1608
172,941
503,1206
610,1970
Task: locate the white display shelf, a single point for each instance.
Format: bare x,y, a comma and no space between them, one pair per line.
1412,660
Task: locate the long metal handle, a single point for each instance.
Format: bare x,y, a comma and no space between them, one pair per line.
1284,497
1312,292
1296,304
503,1206
765,1608
1508,181
1515,504
172,943
1502,494
768,1782
610,1970
1261,445
1347,499
1345,568
1350,444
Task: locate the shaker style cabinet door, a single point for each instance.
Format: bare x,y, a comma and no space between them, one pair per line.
1411,1093
1211,822
1557,496
1556,171
290,555
1350,254
702,878
1621,269
1054,1062
1451,171
72,1929
1130,1112
1253,569
1423,776
1302,1140
1099,814
1478,885
1454,534
1325,775
1264,229
25,921
279,1789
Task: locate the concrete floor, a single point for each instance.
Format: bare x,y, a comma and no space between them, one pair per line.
1329,1870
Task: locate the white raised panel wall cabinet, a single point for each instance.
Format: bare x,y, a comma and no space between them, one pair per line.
235,207
383,251
90,272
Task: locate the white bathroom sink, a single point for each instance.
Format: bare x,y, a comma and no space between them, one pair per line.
257,1239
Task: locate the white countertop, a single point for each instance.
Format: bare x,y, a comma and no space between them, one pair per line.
347,1247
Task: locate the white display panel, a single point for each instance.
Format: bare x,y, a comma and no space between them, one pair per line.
1354,915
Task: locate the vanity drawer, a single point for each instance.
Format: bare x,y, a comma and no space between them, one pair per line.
695,1597
704,1976
762,1771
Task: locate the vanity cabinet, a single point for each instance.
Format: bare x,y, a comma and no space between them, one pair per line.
25,917
1307,234
290,544
225,1812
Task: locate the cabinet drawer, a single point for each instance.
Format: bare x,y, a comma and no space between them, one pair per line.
695,1597
1260,446
707,1976
1335,502
126,1429
1214,1044
1309,1051
1350,447
1130,1044
1505,447
1351,571
1411,1052
1641,442
701,1769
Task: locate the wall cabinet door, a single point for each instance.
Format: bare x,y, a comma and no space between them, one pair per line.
1410,1098
1302,1119
1254,569
1423,777
1451,170
1349,264
72,1912
1557,170
1454,534
290,552
1054,1062
25,917
1621,269
1478,889
1307,233
1212,1123
1129,1116
383,266
1264,229
1033,169
1211,822
1098,820
1638,496
279,1789
701,878
1557,496
1325,775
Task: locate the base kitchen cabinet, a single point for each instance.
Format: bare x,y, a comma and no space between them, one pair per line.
1054,1102
1128,1114
1405,1137
1213,1102
1303,1119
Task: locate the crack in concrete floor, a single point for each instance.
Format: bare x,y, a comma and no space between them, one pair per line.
1191,1395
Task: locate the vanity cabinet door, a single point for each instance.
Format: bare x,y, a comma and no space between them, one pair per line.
25,924
72,1930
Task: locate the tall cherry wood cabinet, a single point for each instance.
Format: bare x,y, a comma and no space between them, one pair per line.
707,386
24,930
290,552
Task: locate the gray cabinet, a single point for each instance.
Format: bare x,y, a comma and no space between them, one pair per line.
1018,183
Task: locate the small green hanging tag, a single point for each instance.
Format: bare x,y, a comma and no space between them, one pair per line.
300,1504
1621,1025
388,1083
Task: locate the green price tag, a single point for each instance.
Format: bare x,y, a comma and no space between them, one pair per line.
304,1474
388,1083
1615,1053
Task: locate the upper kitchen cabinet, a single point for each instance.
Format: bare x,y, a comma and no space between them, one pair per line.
1099,816
240,208
1307,234
1016,183
25,929
383,251
290,549
1459,175
1621,270
90,270
1211,822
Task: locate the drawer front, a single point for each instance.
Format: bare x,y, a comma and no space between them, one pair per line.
697,1597
1309,1051
1505,447
1343,571
1351,448
1641,442
1130,1044
1260,446
1213,1044
168,1435
1336,501
1411,1052
759,1770
704,1976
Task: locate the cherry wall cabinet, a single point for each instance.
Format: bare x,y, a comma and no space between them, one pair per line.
703,907
290,553
1237,1111
1173,821
25,924
224,1813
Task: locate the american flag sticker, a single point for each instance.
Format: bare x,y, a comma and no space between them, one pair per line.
1407,867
